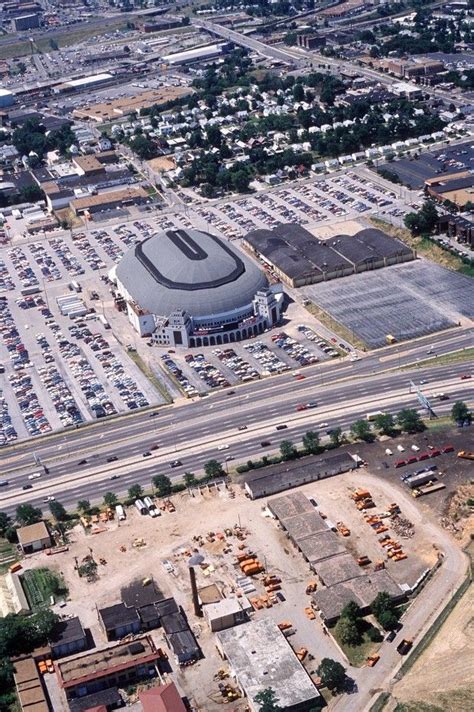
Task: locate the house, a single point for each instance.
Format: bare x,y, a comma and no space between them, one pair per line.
227,613
34,537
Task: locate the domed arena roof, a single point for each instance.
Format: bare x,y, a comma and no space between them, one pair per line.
189,270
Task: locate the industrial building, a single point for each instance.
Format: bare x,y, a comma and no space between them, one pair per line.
278,478
193,289
325,552
197,54
133,195
29,687
116,108
227,612
299,258
456,187
260,657
26,22
116,665
68,638
457,226
91,82
7,98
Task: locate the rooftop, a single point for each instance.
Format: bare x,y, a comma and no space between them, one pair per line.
260,655
318,547
102,700
137,595
103,662
113,196
164,698
66,631
117,615
338,569
29,686
32,533
277,478
290,505
189,270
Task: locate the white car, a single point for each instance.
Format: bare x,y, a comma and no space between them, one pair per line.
322,425
49,499
34,476
223,447
400,448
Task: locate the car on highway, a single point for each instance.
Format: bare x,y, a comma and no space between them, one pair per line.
265,443
50,498
82,462
147,454
281,427
242,427
230,393
312,404
322,425
301,406
155,447
465,376
34,476
27,487
176,463
229,458
222,447
112,458
152,415
115,477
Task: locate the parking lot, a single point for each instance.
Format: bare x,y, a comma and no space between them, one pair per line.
407,301
310,203
414,171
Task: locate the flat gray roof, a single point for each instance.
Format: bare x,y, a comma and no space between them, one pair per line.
362,590
338,569
289,505
304,525
318,547
261,657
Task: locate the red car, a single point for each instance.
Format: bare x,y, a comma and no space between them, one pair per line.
300,377
400,463
411,460
447,448
301,406
435,453
424,456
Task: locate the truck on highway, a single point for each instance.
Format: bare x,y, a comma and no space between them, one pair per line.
120,512
372,416
150,505
140,505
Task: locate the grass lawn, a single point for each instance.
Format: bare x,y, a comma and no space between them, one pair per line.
357,654
8,555
40,584
454,357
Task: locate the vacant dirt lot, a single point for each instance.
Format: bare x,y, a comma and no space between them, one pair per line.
444,674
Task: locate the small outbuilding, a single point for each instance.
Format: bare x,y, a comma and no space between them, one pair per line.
34,537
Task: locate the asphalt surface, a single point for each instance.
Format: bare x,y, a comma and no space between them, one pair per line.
193,432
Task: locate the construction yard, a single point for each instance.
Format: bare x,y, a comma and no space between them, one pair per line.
160,548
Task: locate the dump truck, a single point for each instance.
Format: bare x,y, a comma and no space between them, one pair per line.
373,660
359,494
466,454
363,561
311,587
342,529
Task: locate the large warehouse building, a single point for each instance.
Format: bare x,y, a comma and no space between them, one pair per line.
299,258
192,289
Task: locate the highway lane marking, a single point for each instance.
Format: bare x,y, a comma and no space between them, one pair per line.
163,457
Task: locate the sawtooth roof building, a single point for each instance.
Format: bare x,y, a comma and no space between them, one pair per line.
189,288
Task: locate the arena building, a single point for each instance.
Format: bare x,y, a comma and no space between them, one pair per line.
189,288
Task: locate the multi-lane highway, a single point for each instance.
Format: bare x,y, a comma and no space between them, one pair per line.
193,432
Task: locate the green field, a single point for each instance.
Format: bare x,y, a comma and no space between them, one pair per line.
357,654
40,584
8,555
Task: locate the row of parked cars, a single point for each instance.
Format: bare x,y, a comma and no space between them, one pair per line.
88,252
115,373
47,265
241,369
432,452
208,373
23,268
298,352
6,281
69,260
266,358
179,376
110,247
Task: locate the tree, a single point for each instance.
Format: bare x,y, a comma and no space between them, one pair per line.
268,701
384,610
385,423
332,674
287,450
58,510
311,442
189,479
348,631
424,221
460,412
110,499
26,514
361,430
351,611
409,421
388,620
298,92
5,522
84,505
335,436
143,147
162,484
213,468
135,492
